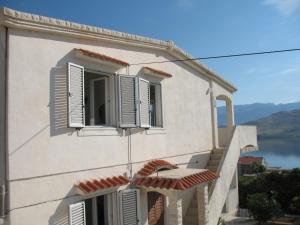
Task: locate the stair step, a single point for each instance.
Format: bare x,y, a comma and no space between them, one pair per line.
212,168
218,151
214,162
191,220
216,156
192,212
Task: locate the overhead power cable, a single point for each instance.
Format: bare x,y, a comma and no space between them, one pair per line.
220,56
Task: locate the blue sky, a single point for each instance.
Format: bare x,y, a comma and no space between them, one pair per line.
205,28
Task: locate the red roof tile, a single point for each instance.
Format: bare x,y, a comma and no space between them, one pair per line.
153,166
89,186
182,183
250,159
158,72
101,57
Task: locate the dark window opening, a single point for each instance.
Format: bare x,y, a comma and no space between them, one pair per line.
96,99
152,106
155,105
96,211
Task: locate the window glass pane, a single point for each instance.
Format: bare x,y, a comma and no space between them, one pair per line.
99,102
102,210
96,99
152,106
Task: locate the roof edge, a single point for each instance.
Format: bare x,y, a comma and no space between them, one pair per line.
13,18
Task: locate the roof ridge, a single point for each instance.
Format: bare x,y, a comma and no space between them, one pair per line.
14,18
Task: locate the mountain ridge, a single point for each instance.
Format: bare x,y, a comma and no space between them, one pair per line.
280,125
255,111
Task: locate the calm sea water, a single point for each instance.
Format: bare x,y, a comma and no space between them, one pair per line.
282,153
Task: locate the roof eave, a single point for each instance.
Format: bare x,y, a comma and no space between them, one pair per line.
17,19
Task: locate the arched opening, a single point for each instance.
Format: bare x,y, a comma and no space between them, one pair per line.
156,208
225,119
225,114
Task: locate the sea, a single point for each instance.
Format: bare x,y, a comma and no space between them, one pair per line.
279,153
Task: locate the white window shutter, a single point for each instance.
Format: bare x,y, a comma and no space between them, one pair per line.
144,100
76,95
127,101
77,214
129,207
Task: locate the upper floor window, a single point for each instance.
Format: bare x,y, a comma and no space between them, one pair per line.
97,99
155,105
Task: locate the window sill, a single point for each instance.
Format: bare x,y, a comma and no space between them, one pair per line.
156,130
99,131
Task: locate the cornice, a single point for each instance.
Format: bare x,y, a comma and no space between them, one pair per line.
17,19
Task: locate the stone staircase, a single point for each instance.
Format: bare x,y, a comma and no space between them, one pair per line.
215,159
191,217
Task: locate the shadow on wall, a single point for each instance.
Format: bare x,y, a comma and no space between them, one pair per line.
58,104
199,161
61,214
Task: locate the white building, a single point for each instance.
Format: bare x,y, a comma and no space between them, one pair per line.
89,134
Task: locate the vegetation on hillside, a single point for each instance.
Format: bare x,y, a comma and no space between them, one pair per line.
281,125
281,190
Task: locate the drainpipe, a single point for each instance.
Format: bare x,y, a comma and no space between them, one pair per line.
3,187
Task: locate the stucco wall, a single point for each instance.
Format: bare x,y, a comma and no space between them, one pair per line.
47,157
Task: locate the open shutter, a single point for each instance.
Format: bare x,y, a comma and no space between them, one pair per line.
129,207
127,101
76,95
144,100
77,214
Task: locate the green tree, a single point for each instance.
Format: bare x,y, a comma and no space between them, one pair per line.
263,208
256,168
295,205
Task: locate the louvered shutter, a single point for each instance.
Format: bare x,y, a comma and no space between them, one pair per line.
144,100
77,214
127,101
76,95
130,206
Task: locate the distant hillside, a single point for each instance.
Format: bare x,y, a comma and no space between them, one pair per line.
251,112
281,125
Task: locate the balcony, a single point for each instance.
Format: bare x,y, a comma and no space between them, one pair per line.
247,136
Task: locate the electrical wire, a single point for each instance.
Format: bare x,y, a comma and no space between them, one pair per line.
219,56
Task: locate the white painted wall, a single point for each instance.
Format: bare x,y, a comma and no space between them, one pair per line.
47,157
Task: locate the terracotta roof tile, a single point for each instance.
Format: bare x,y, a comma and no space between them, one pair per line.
250,159
93,185
182,183
157,72
153,166
101,57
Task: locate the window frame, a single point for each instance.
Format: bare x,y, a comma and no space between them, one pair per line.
158,106
92,102
111,99
110,201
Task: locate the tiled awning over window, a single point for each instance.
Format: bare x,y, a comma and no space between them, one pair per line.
101,57
155,165
151,71
177,179
93,185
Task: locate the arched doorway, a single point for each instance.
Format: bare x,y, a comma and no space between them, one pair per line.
156,208
225,119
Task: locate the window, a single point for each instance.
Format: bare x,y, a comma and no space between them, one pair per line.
106,209
155,105
96,99
96,211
